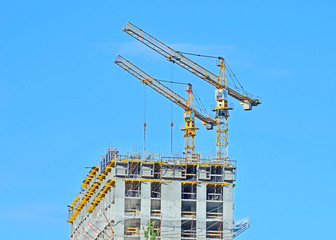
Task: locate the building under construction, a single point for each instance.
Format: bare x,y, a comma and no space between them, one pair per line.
185,197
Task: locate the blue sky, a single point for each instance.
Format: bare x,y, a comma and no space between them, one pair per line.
63,102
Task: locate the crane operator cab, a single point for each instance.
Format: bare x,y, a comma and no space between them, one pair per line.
189,116
222,108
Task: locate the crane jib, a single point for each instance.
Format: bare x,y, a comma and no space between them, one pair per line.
183,61
159,87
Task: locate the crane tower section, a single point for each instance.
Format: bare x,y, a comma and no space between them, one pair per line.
222,113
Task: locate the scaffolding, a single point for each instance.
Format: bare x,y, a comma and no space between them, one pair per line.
156,189
133,189
214,192
125,191
188,191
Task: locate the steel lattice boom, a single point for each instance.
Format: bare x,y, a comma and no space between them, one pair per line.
159,87
187,105
219,81
184,62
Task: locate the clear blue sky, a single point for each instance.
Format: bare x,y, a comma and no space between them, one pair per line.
63,102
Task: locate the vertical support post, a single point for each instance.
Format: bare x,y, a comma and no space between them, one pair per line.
160,224
191,228
171,138
119,210
228,212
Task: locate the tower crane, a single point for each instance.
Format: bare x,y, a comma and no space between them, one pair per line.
188,105
220,82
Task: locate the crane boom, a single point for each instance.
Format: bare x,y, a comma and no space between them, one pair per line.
159,87
184,62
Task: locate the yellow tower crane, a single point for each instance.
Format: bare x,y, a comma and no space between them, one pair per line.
220,82
189,124
188,105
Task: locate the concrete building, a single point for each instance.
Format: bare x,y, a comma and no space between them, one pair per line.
185,198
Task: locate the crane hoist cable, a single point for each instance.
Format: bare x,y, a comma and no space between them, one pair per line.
171,110
145,124
182,83
200,103
228,68
198,55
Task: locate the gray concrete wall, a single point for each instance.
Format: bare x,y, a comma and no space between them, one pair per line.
227,211
171,210
145,205
114,206
120,209
201,211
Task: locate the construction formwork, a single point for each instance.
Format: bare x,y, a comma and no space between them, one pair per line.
186,198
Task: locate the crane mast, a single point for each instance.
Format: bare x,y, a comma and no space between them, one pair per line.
222,113
188,105
189,125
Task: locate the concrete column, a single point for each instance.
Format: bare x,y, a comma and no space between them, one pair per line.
119,211
201,211
145,206
227,212
171,210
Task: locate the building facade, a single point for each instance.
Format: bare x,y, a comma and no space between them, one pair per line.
183,198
